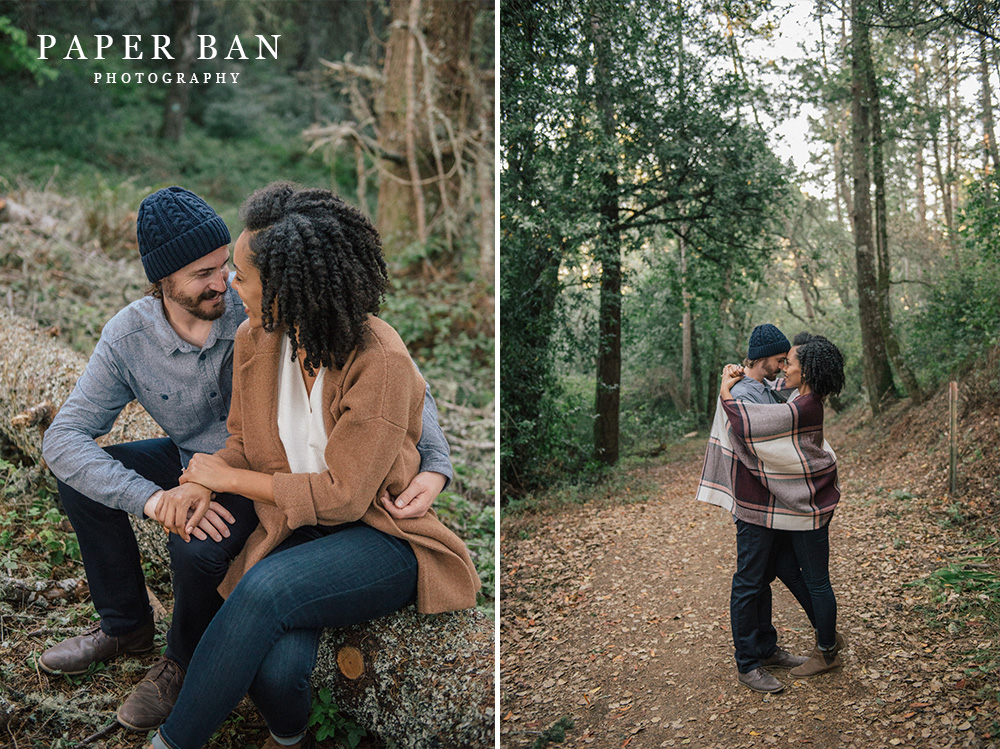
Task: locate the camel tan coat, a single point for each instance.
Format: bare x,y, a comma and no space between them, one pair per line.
372,410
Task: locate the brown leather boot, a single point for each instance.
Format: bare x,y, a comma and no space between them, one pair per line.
820,661
74,656
781,658
153,699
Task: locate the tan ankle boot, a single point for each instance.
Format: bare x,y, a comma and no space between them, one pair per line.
819,662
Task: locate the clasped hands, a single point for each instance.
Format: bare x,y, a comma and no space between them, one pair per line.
189,509
731,374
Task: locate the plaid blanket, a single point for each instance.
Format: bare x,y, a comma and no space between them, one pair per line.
769,465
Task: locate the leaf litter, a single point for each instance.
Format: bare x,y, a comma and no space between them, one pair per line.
618,616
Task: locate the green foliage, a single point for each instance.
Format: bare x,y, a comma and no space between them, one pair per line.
594,484
37,531
31,531
114,131
556,733
17,57
636,110
960,320
476,526
447,327
330,723
92,670
969,587
968,575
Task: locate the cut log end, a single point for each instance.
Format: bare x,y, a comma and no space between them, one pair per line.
351,662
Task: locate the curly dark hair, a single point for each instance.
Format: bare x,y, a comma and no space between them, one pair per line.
321,261
821,362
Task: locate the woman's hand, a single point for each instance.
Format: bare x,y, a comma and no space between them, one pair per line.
211,472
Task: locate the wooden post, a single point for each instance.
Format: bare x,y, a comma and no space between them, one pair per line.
953,436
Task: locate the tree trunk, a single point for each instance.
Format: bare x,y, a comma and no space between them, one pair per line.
686,354
944,189
951,139
884,265
427,681
609,358
989,131
801,278
427,65
175,107
485,185
396,216
920,136
877,374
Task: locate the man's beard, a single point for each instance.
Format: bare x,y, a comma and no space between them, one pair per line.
194,304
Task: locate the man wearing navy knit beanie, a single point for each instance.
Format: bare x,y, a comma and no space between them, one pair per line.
762,553
172,351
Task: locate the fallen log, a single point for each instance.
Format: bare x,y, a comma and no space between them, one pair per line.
411,679
42,593
37,375
393,682
15,213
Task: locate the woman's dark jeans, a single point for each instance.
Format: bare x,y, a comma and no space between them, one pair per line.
812,550
264,638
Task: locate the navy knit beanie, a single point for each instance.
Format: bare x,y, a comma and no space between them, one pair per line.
176,227
766,340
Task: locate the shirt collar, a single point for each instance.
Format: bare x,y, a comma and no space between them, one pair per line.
223,329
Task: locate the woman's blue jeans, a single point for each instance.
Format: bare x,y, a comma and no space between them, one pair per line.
264,638
812,550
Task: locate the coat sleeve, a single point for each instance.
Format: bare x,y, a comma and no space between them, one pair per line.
233,453
382,394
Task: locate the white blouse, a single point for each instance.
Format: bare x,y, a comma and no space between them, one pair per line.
300,415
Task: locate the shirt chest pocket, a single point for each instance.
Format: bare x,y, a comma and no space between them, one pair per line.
179,413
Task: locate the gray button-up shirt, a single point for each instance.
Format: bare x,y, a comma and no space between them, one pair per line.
185,389
751,391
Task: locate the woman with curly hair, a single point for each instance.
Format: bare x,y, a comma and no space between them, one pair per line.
785,475
326,414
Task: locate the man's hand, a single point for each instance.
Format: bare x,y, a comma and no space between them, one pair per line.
183,509
417,498
215,523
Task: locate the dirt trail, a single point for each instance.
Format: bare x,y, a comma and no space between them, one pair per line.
619,618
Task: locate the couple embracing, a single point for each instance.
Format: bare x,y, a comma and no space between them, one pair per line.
768,464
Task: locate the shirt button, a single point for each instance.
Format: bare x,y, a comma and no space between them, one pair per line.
202,357
165,396
212,395
222,418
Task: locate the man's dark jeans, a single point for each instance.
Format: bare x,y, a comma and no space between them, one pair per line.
761,555
111,555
